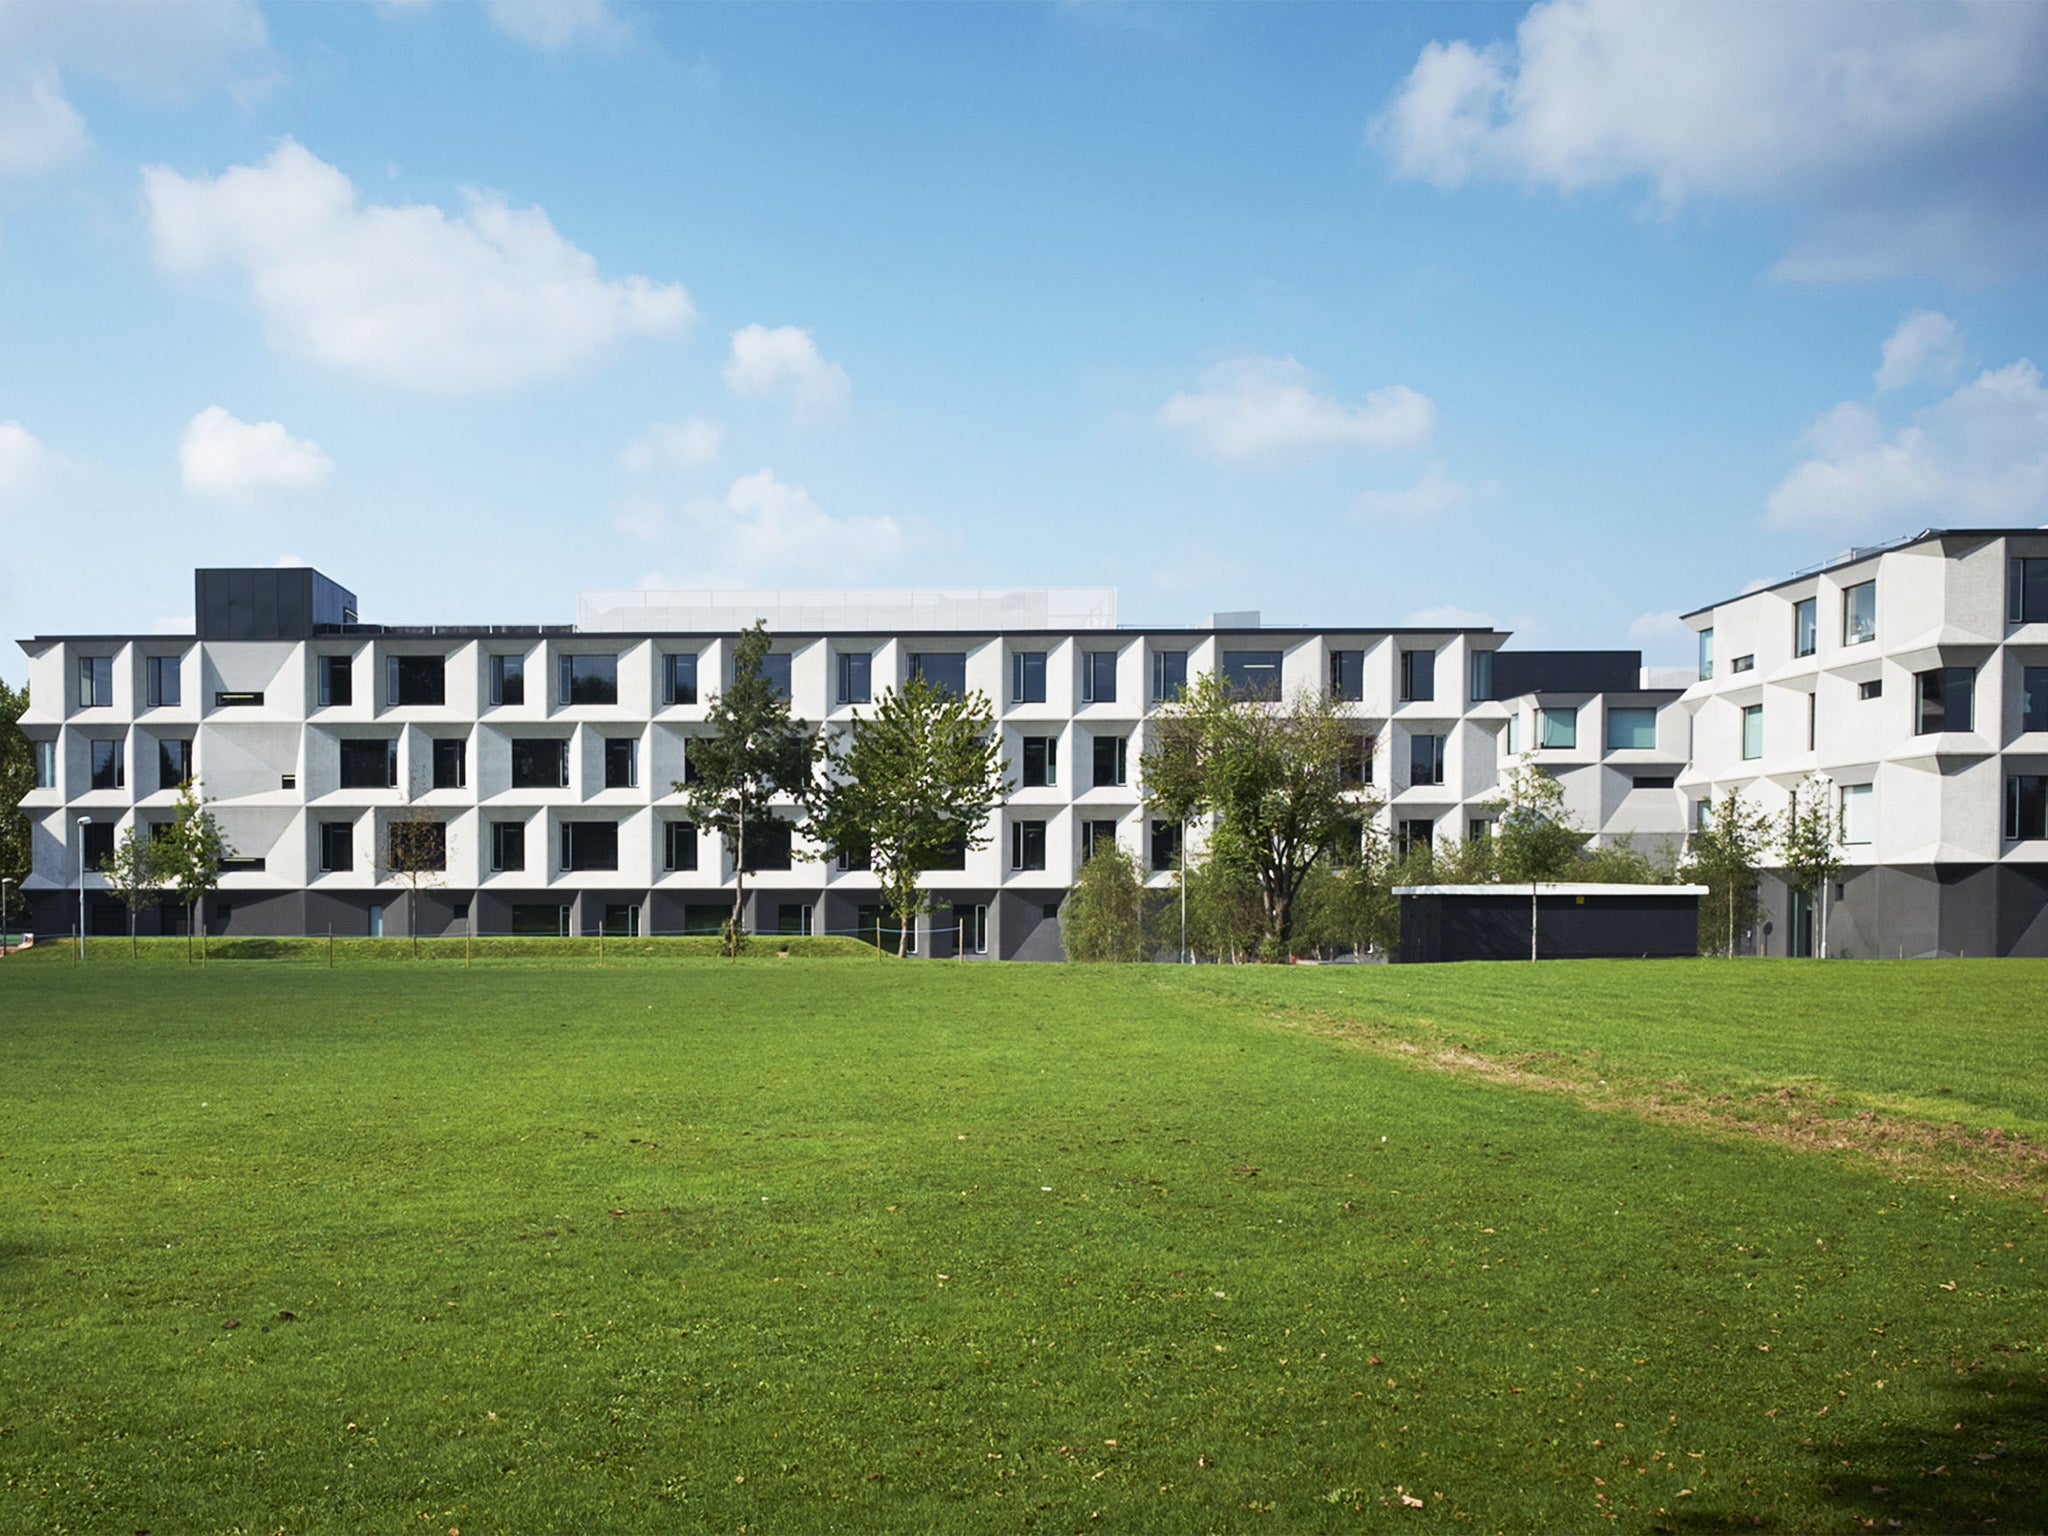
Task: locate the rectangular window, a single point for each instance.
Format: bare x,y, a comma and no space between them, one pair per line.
1112,761
451,763
621,920
508,846
945,671
856,677
855,859
1096,835
540,922
369,764
1482,676
1416,836
1631,730
590,679
1169,675
1252,674
1743,664
109,765
1706,654
95,682
337,847
2027,589
679,845
46,765
1859,812
954,857
508,679
1859,613
1806,626
2026,806
336,681
161,682
1027,845
238,698
1027,677
411,680
1874,689
1425,759
590,845
774,670
1098,677
1948,697
679,678
1041,761
1812,721
1511,739
1165,845
98,847
621,762
540,762
417,845
1560,727
1478,830
1653,781
1752,731
1354,769
1347,676
769,845
793,918
2034,699
1418,676
173,763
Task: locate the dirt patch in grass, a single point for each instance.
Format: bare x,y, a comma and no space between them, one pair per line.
1809,1117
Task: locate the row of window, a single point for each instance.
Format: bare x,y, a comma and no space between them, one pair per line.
1629,729
1945,699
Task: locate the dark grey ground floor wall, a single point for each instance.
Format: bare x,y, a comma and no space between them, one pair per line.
1918,911
1012,927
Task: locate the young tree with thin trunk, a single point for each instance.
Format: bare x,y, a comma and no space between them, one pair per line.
415,855
1726,856
1809,848
17,778
1277,778
911,786
756,750
1104,919
189,858
131,874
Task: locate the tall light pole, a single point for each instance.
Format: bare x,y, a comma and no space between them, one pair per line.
83,823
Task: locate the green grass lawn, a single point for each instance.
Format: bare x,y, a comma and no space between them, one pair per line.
829,1243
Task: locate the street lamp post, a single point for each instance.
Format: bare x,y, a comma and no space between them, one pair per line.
83,823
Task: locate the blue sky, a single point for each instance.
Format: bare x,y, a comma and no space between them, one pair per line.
1563,318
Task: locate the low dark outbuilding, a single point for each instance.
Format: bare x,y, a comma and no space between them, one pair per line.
1569,922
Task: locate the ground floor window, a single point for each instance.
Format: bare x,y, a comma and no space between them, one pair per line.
2026,806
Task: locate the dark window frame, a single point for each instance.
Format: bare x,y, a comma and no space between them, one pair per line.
387,776
589,678
413,681
1027,677
1347,676
333,835
1418,678
508,847
508,678
1038,762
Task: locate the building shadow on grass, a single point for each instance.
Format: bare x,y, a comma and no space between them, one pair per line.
1981,1465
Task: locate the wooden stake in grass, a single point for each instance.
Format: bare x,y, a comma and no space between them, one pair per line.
330,946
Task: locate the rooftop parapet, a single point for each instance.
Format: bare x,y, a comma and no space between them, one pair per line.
904,610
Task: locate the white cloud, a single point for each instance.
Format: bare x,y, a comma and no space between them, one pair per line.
1434,494
762,530
552,25
1448,616
1256,405
485,298
1978,457
642,517
1662,635
1925,349
1910,134
141,47
175,624
22,459
785,363
230,460
690,443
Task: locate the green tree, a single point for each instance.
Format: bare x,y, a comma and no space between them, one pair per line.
415,855
1277,779
189,858
909,787
132,875
17,778
1534,835
1621,863
1809,847
1104,919
1726,855
755,752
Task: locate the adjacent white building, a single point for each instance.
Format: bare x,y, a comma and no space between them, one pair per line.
550,754
1914,679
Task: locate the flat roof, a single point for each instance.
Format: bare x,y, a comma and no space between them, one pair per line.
1867,552
1550,888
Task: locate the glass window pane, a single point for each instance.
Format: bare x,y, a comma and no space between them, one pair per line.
1805,626
1706,654
1418,675
1027,677
1859,613
1858,813
590,679
1252,674
2034,699
1347,676
1169,675
1753,731
945,671
681,684
1631,730
1560,727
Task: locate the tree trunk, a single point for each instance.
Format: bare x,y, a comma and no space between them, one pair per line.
739,887
412,919
134,952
